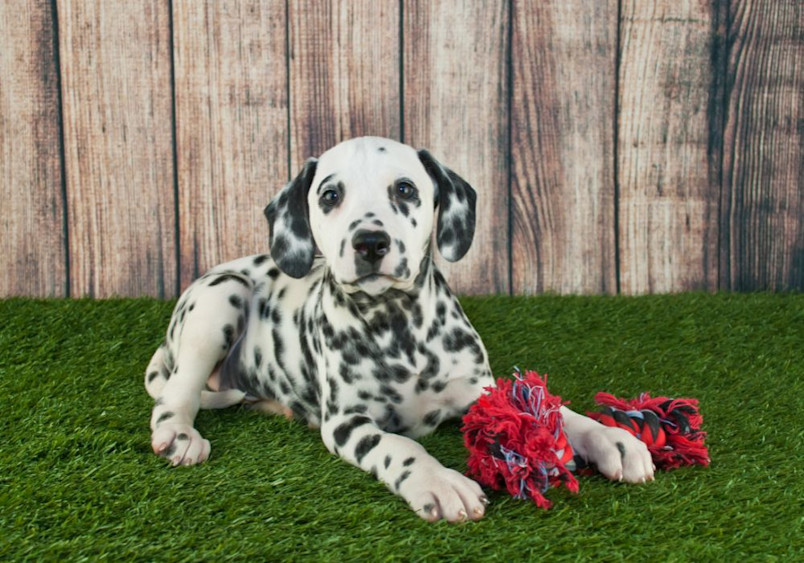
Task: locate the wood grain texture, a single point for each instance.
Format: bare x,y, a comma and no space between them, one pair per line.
762,214
344,73
115,68
231,126
33,245
562,150
674,162
668,193
455,62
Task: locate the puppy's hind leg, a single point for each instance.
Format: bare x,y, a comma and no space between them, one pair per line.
202,333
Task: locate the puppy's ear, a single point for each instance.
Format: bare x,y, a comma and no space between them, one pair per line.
291,238
456,201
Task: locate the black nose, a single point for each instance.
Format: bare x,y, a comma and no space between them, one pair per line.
371,245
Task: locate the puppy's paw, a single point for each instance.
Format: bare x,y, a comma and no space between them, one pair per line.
618,455
180,443
444,494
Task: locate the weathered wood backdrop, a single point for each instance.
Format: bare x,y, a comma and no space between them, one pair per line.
630,146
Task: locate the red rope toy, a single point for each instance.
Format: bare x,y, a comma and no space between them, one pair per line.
515,435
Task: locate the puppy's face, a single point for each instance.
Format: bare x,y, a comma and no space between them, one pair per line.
371,205
368,204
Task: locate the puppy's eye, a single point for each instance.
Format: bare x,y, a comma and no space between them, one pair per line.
406,190
330,198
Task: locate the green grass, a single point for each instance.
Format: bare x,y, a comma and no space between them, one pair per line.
78,480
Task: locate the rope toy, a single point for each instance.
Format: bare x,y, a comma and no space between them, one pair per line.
515,437
671,428
516,440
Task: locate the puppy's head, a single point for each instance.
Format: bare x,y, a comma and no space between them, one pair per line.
369,205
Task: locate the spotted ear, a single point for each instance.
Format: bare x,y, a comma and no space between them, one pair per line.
291,238
456,201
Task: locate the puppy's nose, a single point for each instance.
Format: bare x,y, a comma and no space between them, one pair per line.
371,245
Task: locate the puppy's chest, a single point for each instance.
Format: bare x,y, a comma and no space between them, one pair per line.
386,347
392,364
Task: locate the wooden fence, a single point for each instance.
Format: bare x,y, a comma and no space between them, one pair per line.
618,146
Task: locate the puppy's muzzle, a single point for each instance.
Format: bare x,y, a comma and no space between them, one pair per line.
371,246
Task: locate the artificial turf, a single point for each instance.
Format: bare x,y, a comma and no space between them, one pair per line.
78,479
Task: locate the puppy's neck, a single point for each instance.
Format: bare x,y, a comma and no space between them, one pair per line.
425,284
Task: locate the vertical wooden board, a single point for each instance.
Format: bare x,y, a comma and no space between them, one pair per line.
33,246
231,126
455,69
562,149
763,180
344,73
115,66
668,185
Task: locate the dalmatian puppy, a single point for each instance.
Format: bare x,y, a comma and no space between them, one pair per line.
349,327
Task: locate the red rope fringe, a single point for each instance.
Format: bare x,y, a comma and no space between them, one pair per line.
515,437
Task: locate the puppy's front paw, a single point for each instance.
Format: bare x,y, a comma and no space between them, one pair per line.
180,443
618,455
444,494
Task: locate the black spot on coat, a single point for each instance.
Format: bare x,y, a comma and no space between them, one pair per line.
228,277
401,479
344,431
165,416
365,445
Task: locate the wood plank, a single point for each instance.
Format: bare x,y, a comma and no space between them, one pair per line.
762,215
455,62
562,146
344,73
231,126
33,245
668,186
115,67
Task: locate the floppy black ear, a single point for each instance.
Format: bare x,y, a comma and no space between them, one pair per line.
456,201
291,238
